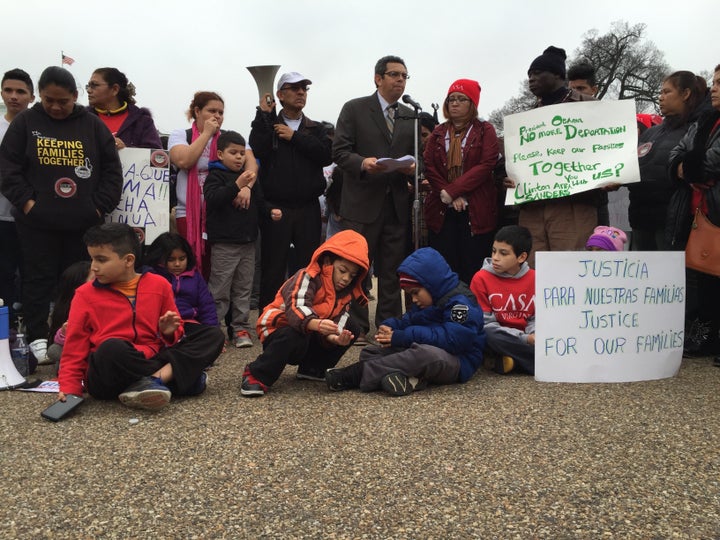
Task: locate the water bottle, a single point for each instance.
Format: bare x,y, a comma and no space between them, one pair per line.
20,353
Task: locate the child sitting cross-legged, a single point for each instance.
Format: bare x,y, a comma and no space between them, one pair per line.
124,331
440,340
505,290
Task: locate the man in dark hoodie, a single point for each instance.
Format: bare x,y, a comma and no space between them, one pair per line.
62,174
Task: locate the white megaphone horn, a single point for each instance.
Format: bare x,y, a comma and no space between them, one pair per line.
264,78
9,375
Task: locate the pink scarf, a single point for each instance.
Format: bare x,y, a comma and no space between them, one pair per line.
195,204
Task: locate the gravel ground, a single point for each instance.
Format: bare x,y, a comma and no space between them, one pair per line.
498,457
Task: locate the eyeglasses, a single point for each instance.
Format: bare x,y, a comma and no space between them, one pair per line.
296,88
459,100
94,85
397,74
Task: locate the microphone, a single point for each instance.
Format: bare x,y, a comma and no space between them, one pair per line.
410,101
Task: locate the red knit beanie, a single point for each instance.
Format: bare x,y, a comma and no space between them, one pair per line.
408,282
467,87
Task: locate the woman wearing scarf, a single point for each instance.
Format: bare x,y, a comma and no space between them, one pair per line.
190,151
111,98
460,210
695,162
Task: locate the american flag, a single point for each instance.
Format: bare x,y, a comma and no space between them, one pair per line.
67,60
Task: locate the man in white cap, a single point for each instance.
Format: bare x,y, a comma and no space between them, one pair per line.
292,150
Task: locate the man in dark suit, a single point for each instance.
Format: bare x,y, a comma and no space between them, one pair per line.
374,201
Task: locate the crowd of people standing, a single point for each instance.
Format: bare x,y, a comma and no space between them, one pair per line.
60,175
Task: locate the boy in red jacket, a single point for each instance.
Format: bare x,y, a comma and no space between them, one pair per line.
306,323
124,332
505,289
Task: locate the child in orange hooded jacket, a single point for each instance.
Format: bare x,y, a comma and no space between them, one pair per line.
308,322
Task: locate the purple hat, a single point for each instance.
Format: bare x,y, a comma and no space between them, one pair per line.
607,239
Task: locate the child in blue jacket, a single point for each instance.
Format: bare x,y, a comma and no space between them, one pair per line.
440,340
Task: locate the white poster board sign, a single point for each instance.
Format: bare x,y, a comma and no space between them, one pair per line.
144,203
562,149
604,316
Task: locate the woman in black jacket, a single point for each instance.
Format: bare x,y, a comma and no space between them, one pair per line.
680,97
695,165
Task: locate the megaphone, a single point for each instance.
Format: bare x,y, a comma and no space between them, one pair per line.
9,375
264,78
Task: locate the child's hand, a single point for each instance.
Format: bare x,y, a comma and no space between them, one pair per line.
342,340
384,335
245,178
242,199
327,327
276,214
531,339
169,323
64,328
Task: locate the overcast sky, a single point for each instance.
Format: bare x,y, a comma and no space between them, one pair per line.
170,49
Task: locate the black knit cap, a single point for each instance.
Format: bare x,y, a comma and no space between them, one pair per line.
552,59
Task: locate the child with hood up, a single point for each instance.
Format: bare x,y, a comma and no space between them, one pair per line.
440,340
307,324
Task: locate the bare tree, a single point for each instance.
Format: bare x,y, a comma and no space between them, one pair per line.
522,102
627,66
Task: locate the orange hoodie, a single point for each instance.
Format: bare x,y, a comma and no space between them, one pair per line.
310,293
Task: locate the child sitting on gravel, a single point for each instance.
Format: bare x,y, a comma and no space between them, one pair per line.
440,340
308,322
505,290
124,331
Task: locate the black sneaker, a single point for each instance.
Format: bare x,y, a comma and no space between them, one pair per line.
250,386
334,380
338,379
399,384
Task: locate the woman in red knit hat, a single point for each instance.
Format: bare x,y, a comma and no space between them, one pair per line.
460,210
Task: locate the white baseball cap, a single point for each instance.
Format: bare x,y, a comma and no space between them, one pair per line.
292,78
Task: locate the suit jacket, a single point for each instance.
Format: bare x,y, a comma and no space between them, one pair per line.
362,132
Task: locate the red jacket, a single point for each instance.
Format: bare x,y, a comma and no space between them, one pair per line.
476,184
99,312
310,293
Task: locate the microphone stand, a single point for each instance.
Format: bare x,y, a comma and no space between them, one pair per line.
416,202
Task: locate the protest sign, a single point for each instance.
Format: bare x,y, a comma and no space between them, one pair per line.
559,150
144,203
607,316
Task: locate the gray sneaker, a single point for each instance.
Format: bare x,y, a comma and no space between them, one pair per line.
399,384
147,393
242,339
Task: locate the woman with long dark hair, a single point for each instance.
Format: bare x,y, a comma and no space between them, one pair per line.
680,97
695,167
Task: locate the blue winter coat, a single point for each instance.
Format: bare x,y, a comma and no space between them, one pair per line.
446,324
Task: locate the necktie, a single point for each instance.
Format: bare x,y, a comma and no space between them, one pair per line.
390,117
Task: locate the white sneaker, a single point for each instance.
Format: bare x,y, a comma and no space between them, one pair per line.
38,348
